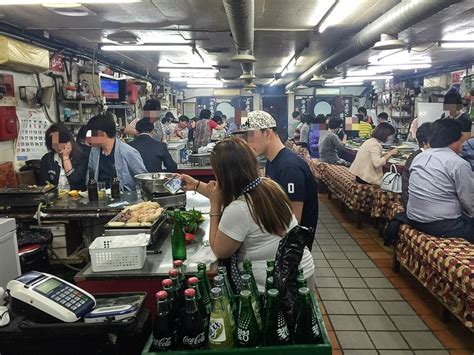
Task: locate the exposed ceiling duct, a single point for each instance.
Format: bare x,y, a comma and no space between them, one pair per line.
240,14
407,13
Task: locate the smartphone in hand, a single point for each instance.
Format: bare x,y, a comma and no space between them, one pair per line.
173,185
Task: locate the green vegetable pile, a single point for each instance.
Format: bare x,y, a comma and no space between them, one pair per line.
192,219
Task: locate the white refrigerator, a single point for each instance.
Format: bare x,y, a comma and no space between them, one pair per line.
9,259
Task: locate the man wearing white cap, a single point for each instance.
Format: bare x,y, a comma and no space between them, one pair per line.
285,167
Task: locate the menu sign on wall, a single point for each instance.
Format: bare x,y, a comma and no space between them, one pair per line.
33,125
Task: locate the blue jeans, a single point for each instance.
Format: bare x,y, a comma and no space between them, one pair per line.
462,227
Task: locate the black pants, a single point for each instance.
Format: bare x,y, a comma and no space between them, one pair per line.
360,181
462,227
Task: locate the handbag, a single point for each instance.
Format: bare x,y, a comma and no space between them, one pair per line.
392,180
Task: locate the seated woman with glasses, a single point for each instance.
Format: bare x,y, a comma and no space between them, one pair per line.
249,214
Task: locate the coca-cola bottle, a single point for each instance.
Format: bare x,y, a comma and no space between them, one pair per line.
193,282
173,305
178,286
179,265
163,328
193,336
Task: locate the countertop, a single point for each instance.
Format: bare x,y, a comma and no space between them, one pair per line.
158,264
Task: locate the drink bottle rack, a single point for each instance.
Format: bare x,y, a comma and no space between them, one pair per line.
300,349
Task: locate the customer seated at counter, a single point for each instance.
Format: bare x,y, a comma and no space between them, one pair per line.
109,153
153,153
203,130
369,161
65,164
452,103
383,117
182,129
422,137
468,152
441,186
249,214
365,128
330,144
285,167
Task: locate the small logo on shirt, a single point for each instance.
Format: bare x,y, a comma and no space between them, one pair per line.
291,188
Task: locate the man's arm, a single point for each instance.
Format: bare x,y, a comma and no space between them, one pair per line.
297,207
464,184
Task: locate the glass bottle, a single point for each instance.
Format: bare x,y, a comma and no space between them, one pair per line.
193,332
221,334
202,269
114,184
163,327
92,187
179,265
193,282
276,330
222,271
178,286
178,244
219,282
247,265
307,329
301,281
248,331
174,307
247,285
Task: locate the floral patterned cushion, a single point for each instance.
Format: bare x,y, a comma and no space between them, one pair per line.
445,266
383,201
342,183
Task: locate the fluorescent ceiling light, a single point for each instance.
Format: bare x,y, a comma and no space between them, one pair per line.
383,68
195,86
62,5
273,82
196,81
63,2
339,14
370,77
354,83
320,11
187,70
147,47
457,44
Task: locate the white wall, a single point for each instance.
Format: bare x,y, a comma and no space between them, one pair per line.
7,149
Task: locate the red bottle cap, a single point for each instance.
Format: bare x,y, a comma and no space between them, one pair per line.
190,292
193,281
178,263
167,282
173,273
162,295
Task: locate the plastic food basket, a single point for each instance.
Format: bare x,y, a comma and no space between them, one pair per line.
115,253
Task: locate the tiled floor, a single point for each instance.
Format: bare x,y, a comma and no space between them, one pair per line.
369,309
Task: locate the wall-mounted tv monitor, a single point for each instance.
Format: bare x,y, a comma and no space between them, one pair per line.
110,89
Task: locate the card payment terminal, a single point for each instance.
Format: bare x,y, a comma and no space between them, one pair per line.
35,292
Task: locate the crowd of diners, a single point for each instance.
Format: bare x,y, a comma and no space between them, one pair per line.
250,213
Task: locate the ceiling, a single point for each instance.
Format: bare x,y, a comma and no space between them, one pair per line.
282,28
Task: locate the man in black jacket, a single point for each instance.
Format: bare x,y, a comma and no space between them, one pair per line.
153,152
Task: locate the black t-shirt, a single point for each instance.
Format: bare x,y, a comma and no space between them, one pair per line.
295,177
106,167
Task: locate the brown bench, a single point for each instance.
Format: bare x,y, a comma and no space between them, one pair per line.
444,266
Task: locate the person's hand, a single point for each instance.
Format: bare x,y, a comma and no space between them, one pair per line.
214,195
393,152
66,153
188,183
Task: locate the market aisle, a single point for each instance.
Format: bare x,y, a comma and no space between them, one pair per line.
369,309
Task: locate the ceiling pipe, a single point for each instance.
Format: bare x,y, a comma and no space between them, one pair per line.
241,14
402,16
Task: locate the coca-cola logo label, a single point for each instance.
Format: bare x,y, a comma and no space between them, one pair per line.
198,340
162,343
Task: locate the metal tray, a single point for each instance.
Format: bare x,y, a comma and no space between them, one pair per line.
147,229
15,197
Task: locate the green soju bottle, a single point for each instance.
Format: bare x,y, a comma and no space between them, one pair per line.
276,330
268,286
203,271
219,282
307,329
301,281
247,285
221,333
222,271
248,270
248,331
270,267
178,244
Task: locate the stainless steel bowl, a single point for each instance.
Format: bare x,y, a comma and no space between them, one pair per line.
152,183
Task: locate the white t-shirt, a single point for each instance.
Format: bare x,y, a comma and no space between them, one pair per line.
63,182
257,246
